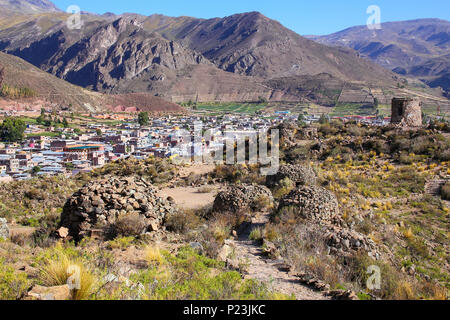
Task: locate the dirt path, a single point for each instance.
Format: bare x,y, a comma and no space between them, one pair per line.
189,197
269,271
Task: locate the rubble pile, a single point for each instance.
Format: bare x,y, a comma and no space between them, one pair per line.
342,241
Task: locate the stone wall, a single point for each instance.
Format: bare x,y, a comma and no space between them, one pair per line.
407,112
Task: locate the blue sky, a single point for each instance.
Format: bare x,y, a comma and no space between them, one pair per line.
303,16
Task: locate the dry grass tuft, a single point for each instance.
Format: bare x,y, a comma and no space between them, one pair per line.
153,255
61,270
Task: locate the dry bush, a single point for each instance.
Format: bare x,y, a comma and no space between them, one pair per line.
262,203
184,221
305,247
153,255
130,225
445,191
257,234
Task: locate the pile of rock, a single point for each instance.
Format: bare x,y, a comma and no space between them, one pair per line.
313,203
243,198
101,204
342,241
4,230
299,174
346,295
287,131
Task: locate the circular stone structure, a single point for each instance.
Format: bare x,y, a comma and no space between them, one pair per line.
102,203
407,112
240,198
299,174
313,203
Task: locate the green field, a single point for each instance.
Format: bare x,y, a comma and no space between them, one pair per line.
247,108
44,134
352,109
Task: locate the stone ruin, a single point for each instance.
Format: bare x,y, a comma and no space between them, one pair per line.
299,174
100,204
313,203
407,112
287,131
238,199
309,133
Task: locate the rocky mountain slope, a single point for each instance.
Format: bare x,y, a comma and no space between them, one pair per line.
44,89
252,44
418,47
244,57
28,6
181,59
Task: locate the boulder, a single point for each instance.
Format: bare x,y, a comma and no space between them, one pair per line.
50,293
112,203
63,232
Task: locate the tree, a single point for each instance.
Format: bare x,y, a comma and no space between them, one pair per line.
40,119
12,130
99,132
36,170
376,103
65,123
143,119
301,119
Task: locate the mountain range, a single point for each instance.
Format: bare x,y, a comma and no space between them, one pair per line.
418,48
27,7
243,57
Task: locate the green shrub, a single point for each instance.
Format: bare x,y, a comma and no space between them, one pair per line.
256,234
12,285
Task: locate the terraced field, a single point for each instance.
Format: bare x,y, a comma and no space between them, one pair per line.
247,108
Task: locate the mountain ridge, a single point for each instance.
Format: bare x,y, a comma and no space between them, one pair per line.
402,46
243,57
49,90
